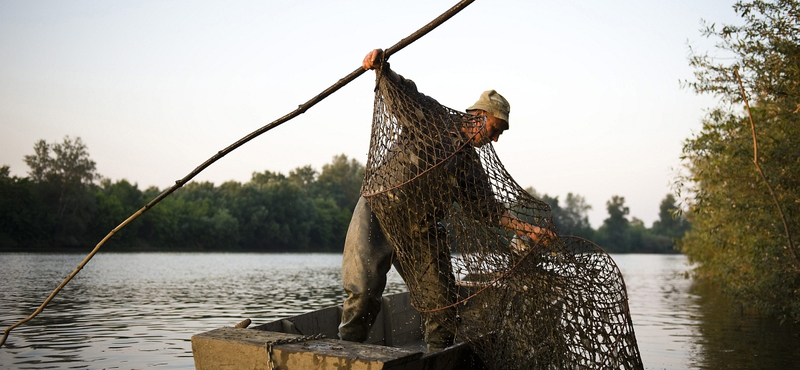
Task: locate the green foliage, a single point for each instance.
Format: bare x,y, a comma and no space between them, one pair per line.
737,236
62,176
21,211
617,234
620,235
341,181
58,206
115,202
573,219
670,223
576,219
71,164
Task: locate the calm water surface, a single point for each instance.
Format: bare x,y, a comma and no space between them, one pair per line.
127,311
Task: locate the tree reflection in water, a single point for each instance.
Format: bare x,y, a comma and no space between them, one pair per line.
737,338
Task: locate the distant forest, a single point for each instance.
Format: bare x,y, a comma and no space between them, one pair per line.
65,205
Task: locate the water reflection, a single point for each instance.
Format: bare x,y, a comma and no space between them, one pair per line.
734,338
129,311
681,324
662,309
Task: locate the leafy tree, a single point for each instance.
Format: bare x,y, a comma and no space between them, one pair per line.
303,177
620,235
341,181
654,243
70,165
20,212
555,211
644,240
116,202
533,192
330,226
571,220
614,234
62,180
636,235
670,223
576,217
738,235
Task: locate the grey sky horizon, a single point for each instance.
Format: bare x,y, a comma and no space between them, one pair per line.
156,88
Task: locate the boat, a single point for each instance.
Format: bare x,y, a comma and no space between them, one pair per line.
394,343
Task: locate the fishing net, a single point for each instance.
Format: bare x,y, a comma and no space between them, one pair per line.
461,227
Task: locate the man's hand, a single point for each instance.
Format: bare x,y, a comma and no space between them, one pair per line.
535,233
371,60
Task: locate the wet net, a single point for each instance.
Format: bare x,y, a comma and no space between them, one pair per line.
481,257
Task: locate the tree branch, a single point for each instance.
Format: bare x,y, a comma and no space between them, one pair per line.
761,172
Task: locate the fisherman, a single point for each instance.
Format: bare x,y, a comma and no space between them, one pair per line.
368,255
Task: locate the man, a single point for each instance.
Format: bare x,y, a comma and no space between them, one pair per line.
368,255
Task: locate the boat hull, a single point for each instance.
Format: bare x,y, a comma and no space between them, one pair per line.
395,342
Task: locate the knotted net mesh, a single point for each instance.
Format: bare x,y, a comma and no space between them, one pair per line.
468,243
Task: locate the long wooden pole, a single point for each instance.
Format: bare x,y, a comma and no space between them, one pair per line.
300,110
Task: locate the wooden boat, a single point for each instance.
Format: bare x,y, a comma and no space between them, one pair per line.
395,342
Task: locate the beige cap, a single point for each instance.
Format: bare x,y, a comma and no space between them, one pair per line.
493,103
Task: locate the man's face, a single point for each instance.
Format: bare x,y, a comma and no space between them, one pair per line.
490,132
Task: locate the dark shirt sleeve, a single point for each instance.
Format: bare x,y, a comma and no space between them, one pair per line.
411,87
476,197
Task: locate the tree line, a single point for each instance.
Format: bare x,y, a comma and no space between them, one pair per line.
64,204
618,234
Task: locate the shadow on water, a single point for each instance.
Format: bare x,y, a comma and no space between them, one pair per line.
736,338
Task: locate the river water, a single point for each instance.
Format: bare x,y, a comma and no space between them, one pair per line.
133,311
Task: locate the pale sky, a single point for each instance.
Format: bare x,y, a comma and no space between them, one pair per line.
154,88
